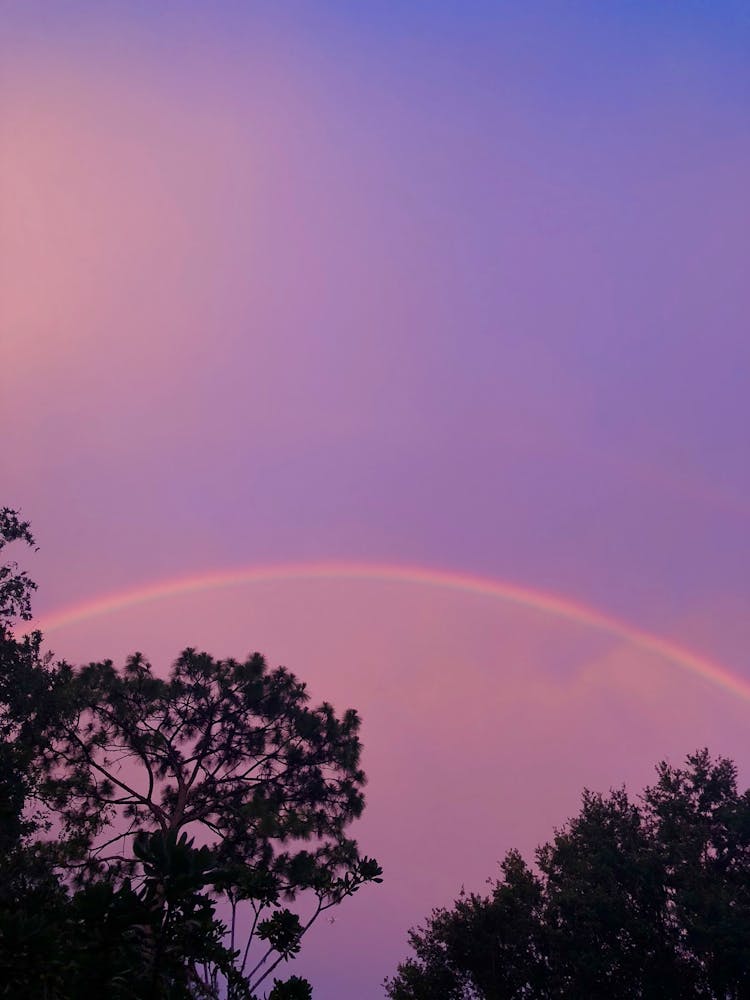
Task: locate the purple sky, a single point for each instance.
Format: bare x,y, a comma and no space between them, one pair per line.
462,286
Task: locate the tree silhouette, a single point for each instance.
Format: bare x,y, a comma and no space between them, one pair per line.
167,797
645,899
230,751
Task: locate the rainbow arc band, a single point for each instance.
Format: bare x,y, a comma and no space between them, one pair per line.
544,603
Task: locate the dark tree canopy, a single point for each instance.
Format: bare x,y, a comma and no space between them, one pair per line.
646,899
227,745
16,587
152,830
26,685
231,753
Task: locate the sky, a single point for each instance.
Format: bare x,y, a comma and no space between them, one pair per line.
329,308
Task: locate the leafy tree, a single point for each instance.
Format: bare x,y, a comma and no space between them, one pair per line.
33,902
219,786
645,899
19,661
16,587
231,751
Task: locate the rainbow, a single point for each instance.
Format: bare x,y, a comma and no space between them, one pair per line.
544,603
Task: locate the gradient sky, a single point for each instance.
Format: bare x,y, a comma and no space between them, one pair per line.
459,286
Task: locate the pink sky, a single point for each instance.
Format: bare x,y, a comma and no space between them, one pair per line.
461,287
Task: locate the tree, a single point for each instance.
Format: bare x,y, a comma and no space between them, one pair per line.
19,660
231,751
33,902
645,899
219,786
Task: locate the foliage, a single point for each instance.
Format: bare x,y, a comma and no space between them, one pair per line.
231,750
128,770
644,899
30,692
293,989
16,587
